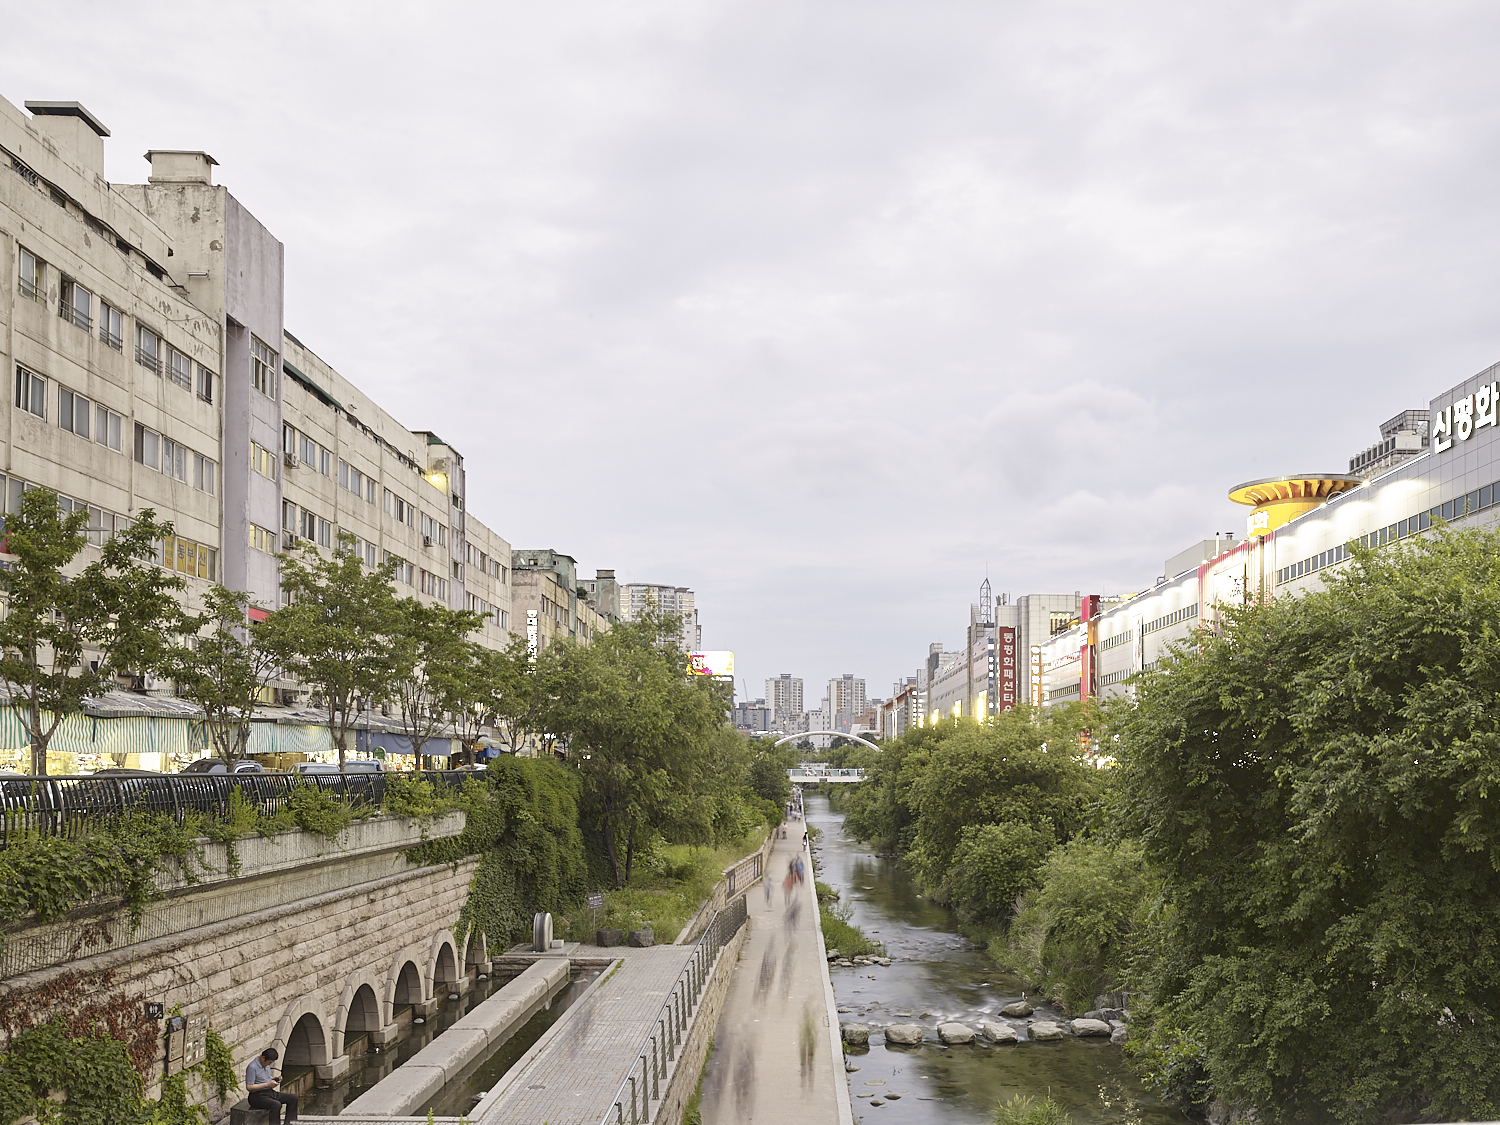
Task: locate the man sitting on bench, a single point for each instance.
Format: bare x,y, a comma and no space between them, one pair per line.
261,1085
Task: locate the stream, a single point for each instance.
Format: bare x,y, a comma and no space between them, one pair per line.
937,974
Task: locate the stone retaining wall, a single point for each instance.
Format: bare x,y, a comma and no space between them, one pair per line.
313,940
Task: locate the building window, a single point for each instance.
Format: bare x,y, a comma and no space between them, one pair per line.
31,392
174,460
309,451
262,368
204,473
308,526
370,555
262,540
179,369
288,440
33,277
77,305
147,447
73,413
107,427
111,327
263,461
205,384
289,516
148,349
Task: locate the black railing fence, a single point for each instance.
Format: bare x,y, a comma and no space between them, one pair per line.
69,806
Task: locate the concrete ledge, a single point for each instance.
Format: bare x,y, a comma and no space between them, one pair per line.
411,1086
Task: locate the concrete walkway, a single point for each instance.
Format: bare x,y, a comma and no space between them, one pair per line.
777,1056
572,1074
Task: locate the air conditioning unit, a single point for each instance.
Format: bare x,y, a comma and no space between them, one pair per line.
288,540
289,459
427,541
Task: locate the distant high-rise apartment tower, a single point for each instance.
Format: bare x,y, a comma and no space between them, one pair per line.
846,699
784,697
636,597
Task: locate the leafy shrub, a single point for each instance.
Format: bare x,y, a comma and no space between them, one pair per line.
994,864
1076,934
840,933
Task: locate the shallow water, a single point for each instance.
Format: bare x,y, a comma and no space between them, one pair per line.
937,974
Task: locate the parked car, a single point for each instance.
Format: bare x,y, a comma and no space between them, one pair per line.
361,766
216,765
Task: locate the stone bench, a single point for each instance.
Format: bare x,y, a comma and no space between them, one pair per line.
241,1114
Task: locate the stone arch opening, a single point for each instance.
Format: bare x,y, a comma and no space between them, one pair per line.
445,968
307,1045
364,1012
408,985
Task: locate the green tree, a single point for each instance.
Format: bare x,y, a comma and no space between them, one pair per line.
119,610
519,702
994,864
337,632
768,776
434,667
223,671
637,727
1016,768
1316,783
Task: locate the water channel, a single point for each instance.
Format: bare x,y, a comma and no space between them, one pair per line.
937,974
368,1065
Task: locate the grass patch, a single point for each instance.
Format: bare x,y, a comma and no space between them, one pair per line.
841,934
667,888
1029,1111
825,892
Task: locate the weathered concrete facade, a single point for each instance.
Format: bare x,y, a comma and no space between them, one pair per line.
312,944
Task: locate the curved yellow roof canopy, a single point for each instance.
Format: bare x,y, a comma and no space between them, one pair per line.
1279,500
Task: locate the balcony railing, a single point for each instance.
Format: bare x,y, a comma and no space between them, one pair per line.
32,292
77,317
147,359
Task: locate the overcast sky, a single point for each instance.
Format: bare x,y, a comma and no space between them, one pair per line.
824,308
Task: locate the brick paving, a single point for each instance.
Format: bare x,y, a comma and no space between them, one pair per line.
572,1080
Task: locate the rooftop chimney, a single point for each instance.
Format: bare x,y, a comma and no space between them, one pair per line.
74,130
177,166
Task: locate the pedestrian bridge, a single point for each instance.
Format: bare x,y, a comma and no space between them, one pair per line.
812,773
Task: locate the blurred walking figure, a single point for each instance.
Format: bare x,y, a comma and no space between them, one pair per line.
789,882
807,1046
744,1081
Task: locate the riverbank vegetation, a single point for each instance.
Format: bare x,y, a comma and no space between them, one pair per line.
1293,868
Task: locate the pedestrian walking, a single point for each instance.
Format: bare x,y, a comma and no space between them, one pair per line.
789,882
801,871
260,1085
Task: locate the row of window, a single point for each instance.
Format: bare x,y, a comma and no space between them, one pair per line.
190,558
262,461
433,585
435,531
1066,690
175,460
488,566
1170,619
356,482
75,413
1114,677
102,526
79,307
300,447
476,604
1455,509
1117,639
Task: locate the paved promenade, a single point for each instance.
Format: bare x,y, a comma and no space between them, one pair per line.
571,1076
777,1057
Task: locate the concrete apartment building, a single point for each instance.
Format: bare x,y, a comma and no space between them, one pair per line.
548,597
637,597
784,698
143,326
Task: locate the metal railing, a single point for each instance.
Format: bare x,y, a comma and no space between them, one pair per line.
70,805
651,1070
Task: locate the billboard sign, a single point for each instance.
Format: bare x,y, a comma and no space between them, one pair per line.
719,662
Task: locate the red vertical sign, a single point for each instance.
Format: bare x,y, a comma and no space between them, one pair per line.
1089,614
1005,644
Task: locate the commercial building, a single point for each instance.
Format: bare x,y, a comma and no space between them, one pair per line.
1300,527
144,327
753,717
845,703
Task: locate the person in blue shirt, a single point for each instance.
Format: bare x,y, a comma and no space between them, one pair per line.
261,1085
